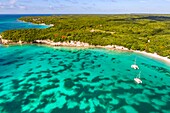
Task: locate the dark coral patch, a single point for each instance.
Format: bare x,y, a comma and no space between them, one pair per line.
86,73
96,79
113,59
68,84
4,77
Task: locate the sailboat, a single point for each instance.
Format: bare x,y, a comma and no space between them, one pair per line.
134,66
137,79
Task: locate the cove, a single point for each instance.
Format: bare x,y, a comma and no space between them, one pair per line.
36,79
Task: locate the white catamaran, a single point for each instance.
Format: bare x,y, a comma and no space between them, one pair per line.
134,66
137,79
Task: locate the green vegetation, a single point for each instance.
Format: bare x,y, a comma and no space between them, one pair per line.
131,31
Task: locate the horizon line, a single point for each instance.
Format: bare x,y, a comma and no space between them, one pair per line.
77,13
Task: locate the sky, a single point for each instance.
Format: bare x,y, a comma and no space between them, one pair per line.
84,6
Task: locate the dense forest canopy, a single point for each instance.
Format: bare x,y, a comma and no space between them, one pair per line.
149,33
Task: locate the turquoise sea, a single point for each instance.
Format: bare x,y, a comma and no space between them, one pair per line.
8,22
42,79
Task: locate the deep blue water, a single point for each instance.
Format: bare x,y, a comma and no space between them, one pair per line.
8,22
41,79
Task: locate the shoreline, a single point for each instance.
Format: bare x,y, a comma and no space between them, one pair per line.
43,24
85,45
154,55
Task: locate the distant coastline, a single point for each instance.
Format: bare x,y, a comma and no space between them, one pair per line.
51,25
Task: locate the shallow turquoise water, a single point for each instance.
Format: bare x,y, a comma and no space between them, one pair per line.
38,79
8,22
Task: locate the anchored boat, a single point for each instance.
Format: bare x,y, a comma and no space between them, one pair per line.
137,79
134,66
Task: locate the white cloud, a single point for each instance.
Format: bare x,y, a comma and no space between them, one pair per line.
22,7
12,2
51,7
1,5
143,1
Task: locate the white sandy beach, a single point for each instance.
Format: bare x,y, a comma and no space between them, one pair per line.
110,47
154,55
86,45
